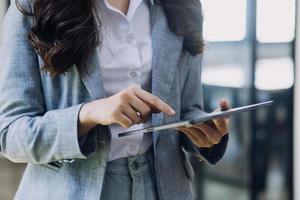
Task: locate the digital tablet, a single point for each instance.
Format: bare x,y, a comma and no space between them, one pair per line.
198,119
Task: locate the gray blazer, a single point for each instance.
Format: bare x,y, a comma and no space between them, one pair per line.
39,116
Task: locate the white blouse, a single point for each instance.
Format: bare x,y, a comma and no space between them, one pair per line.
125,60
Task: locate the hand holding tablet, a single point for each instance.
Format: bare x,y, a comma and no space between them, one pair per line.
209,133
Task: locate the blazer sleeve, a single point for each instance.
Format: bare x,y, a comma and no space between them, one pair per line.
29,133
192,105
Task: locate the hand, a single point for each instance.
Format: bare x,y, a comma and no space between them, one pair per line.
209,133
126,108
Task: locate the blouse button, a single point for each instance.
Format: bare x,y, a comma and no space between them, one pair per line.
129,38
133,74
132,149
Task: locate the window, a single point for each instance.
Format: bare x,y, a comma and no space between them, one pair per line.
247,65
224,20
224,76
275,21
274,74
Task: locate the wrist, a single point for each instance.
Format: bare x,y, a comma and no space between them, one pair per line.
86,122
85,115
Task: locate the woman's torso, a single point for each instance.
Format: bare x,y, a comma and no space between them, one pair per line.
125,56
83,178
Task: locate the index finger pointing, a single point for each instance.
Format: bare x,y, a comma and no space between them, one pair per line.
154,101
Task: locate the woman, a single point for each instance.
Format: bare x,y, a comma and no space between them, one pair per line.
75,73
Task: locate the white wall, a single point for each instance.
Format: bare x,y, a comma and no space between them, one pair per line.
297,114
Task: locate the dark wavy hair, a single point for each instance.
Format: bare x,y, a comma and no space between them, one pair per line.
65,33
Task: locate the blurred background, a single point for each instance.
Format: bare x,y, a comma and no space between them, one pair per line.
250,57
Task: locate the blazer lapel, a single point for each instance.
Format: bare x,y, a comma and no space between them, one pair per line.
92,77
166,53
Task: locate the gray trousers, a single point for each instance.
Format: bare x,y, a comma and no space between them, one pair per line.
131,178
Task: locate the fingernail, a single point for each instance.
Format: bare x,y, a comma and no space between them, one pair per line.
171,111
188,126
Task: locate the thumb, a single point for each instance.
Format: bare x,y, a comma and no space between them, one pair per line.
224,104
